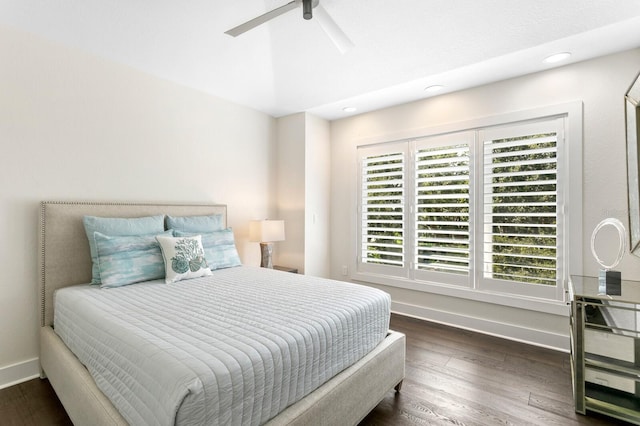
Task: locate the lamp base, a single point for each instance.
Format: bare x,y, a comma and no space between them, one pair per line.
266,249
609,282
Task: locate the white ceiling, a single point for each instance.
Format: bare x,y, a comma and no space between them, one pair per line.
289,65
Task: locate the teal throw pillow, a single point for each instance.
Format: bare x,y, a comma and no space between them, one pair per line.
115,226
128,259
196,224
219,248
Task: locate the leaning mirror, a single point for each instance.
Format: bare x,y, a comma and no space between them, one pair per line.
632,111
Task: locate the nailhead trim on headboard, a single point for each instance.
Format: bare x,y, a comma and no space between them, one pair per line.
42,263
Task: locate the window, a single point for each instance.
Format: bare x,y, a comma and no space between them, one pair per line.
480,209
382,203
442,205
522,221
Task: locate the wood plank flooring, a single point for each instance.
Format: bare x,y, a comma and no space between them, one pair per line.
453,377
458,377
32,403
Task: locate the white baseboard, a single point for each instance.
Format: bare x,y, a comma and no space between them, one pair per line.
19,372
559,342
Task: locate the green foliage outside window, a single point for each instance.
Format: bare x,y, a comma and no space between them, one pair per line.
442,204
383,227
524,210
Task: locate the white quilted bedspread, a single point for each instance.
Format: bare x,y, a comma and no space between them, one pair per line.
235,348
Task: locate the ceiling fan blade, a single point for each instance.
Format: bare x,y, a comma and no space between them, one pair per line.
242,28
335,33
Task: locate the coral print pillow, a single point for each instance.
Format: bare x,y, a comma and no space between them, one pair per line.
183,258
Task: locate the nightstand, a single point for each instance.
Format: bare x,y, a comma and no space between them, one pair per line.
605,347
285,269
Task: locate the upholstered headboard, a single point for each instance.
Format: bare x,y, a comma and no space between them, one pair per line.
64,248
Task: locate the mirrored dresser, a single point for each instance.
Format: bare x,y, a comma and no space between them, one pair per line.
605,347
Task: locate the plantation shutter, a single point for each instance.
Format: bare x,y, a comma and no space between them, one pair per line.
382,209
442,208
482,209
521,213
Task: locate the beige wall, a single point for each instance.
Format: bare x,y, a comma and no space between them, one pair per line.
600,84
317,196
303,197
73,126
290,190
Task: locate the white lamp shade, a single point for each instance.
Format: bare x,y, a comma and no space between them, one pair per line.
263,231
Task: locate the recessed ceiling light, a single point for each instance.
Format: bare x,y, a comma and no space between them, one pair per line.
557,57
349,109
434,88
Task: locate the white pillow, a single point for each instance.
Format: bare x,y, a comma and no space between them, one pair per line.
183,258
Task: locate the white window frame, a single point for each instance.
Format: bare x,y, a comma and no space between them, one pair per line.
546,125
382,270
571,114
442,141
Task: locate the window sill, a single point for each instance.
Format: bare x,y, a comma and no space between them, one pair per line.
511,300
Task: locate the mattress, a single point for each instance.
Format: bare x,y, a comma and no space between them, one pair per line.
234,348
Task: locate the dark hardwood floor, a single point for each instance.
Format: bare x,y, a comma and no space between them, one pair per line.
458,377
453,377
31,403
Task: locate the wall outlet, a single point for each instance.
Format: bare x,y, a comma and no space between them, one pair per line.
345,270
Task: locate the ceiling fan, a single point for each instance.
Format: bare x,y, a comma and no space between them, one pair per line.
337,36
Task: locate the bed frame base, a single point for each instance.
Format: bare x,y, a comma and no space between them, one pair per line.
84,402
351,395
345,399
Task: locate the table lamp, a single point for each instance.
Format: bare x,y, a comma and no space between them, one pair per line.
266,232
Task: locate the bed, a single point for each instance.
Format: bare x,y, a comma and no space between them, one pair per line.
346,398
